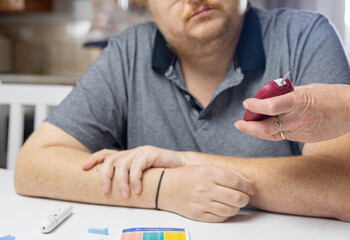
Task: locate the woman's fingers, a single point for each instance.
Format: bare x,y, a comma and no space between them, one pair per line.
266,129
272,106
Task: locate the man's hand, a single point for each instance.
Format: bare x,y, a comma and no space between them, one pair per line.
122,165
311,113
205,192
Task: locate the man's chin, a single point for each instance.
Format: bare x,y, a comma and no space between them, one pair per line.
207,32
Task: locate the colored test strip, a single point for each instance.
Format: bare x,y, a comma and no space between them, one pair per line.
154,234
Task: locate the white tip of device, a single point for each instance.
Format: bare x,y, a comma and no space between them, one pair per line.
282,81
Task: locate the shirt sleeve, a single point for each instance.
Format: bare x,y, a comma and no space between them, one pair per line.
319,56
95,111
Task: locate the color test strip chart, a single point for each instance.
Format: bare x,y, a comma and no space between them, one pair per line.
154,234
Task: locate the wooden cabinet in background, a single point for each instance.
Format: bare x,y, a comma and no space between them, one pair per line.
26,5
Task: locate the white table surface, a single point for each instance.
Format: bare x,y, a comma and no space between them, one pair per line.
21,217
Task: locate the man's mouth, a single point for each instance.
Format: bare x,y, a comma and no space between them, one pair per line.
201,12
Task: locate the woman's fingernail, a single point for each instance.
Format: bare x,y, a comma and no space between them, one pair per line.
237,126
245,104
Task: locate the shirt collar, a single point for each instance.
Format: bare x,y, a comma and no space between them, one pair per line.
250,53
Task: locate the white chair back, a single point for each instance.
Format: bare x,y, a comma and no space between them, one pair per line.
19,95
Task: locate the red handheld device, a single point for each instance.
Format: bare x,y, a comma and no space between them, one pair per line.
271,89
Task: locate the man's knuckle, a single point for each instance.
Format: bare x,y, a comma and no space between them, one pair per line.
109,159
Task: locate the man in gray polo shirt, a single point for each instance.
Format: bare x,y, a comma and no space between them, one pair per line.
177,86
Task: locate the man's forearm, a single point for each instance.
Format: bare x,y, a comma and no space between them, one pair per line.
56,172
305,185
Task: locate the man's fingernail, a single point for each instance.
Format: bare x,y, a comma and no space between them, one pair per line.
87,162
124,194
105,188
137,188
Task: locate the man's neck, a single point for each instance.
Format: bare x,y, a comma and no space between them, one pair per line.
204,68
212,63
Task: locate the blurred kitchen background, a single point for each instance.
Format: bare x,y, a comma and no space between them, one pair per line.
51,42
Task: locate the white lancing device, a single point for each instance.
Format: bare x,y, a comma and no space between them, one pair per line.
56,218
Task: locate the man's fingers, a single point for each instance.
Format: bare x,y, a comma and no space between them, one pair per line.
122,166
136,169
106,174
122,179
93,160
232,180
271,106
223,210
231,197
96,158
212,218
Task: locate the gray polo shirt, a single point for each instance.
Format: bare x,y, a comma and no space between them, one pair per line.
135,94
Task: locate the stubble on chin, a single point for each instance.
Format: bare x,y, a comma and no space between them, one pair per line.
199,44
208,34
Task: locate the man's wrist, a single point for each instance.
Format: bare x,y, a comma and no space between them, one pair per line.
166,192
193,158
158,189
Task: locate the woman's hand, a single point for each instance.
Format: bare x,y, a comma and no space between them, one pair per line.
312,113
